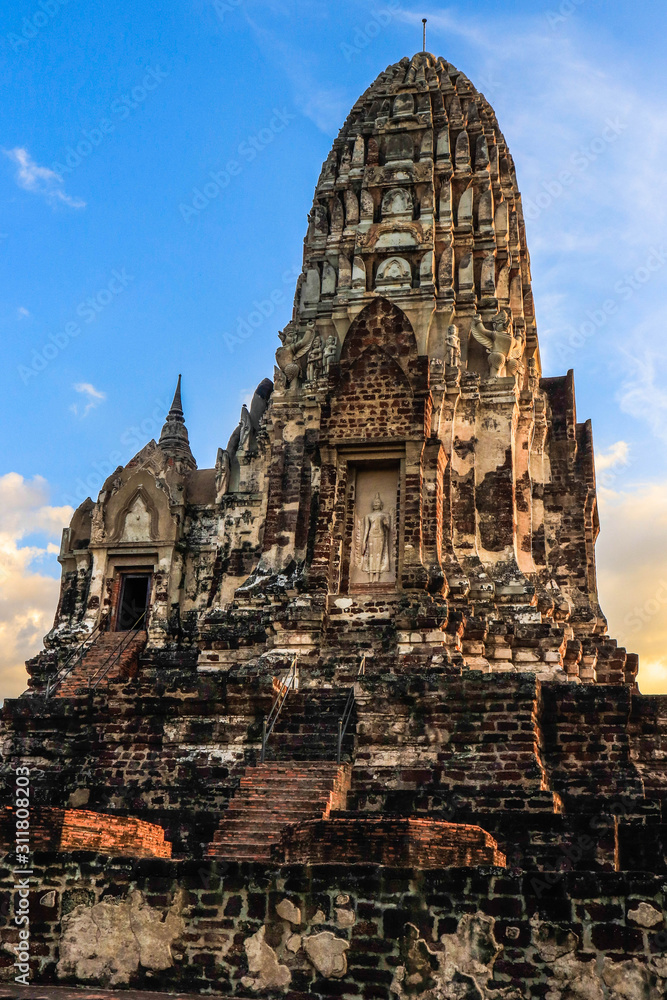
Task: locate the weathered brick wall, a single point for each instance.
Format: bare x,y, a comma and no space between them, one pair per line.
65,830
570,504
587,745
419,843
167,748
422,741
381,386
331,930
500,750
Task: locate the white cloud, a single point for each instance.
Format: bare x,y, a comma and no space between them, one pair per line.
22,312
92,396
326,107
28,597
40,180
632,576
606,461
617,454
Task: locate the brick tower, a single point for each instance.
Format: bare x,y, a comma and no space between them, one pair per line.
341,715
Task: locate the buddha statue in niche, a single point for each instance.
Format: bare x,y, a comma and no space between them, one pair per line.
376,541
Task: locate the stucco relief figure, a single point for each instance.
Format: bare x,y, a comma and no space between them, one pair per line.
294,348
453,354
319,221
330,352
533,375
314,366
245,428
499,343
376,542
223,472
514,362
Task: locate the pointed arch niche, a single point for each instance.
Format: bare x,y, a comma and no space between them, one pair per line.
372,437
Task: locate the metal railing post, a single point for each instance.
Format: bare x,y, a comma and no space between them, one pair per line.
72,661
290,683
115,655
344,721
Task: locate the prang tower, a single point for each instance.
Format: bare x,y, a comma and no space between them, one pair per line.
408,470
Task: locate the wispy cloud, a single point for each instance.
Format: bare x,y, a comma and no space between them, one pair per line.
92,397
616,455
642,394
325,106
22,312
40,180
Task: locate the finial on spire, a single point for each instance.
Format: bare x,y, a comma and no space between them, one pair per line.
424,35
177,405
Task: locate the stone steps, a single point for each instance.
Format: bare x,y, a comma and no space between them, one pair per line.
307,727
271,797
96,658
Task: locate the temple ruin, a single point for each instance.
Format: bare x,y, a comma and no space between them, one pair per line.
341,716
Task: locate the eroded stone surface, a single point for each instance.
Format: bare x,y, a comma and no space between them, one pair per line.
107,942
288,911
460,969
327,953
263,962
645,915
293,943
345,917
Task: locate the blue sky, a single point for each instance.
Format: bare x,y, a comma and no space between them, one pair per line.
156,172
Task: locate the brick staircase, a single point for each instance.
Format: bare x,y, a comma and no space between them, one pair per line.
97,656
307,727
271,797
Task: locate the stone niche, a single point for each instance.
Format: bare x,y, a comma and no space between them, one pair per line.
137,524
374,548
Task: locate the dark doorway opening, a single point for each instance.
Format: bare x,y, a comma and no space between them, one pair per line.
133,605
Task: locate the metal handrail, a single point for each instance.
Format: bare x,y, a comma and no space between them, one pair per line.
344,720
72,661
286,686
114,655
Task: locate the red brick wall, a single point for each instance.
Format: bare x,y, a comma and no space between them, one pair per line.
424,843
376,396
83,830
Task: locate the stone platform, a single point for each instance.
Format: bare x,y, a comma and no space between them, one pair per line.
37,992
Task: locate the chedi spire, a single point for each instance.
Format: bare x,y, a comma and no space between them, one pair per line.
174,437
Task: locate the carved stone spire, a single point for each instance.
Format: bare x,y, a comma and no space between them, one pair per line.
419,186
174,437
